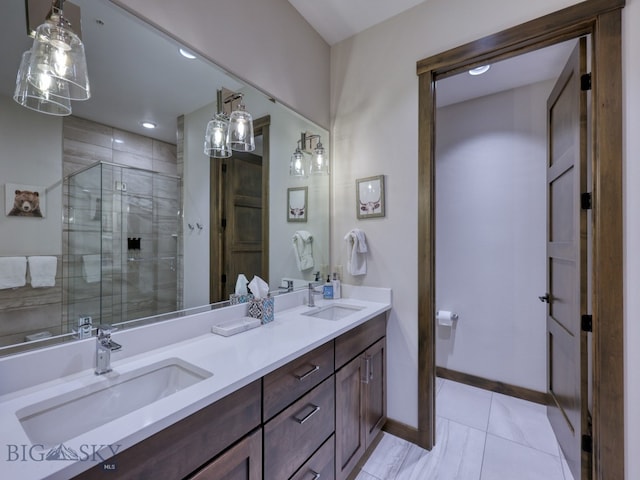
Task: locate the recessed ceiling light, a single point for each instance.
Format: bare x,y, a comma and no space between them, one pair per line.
479,70
148,124
187,54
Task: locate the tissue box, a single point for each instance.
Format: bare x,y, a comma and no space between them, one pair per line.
261,308
238,299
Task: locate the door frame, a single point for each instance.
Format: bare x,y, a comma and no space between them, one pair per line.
601,19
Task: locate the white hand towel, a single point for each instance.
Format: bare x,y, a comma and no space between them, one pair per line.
43,271
13,272
91,268
303,249
357,250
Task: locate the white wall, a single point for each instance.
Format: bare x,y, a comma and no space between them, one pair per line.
39,165
490,235
266,43
285,129
374,99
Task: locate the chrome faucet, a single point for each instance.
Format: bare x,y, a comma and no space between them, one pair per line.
312,292
104,347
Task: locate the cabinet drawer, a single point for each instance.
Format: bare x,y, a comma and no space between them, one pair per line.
352,343
289,382
292,436
188,444
320,466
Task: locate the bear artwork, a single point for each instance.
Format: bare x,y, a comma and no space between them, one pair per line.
26,204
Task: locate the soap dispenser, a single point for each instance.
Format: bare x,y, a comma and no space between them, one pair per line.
327,290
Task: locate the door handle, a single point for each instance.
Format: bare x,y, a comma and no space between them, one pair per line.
545,298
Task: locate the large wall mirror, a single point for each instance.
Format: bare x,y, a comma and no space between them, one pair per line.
137,223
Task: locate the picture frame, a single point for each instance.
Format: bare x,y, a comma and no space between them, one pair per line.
370,201
26,201
297,207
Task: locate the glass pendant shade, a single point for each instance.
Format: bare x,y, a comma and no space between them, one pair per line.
319,161
240,135
297,165
58,53
52,100
215,138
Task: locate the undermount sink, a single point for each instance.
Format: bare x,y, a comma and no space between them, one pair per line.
66,416
333,312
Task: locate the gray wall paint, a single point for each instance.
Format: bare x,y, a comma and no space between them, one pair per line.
490,235
266,43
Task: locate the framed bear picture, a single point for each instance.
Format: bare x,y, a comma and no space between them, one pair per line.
24,200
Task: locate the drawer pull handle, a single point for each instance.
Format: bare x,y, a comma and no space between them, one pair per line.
368,373
314,369
315,474
309,415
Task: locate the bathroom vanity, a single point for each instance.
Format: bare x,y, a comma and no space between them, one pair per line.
299,398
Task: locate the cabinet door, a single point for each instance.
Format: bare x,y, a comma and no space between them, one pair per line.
241,462
350,431
375,408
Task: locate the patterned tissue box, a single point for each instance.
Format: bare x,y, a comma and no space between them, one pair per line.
262,308
238,299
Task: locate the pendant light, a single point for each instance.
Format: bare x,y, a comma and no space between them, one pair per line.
225,133
58,54
297,165
318,164
27,95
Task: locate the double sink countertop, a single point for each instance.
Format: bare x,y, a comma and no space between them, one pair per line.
222,365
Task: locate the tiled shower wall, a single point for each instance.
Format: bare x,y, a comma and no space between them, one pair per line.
28,310
135,283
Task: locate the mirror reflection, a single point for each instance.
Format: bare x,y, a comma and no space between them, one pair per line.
137,222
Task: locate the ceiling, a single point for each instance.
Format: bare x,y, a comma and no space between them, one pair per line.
336,20
126,87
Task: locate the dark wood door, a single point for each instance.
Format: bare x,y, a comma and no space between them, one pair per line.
375,409
566,252
243,249
350,427
241,462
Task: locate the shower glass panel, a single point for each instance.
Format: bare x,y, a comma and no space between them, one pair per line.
122,235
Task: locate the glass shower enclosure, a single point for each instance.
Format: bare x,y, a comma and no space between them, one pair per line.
122,232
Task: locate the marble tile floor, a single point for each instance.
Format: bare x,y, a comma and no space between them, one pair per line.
480,435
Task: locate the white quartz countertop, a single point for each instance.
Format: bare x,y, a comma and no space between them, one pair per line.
234,362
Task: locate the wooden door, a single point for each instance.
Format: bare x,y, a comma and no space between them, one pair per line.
243,249
350,431
241,462
566,252
375,409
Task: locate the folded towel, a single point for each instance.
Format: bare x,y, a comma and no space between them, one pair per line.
42,271
91,268
303,249
357,249
13,272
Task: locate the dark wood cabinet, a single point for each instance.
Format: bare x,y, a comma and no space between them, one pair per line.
243,461
313,418
361,408
293,435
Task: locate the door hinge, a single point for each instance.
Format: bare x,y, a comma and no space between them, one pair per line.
223,222
585,201
587,323
587,443
223,278
585,82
